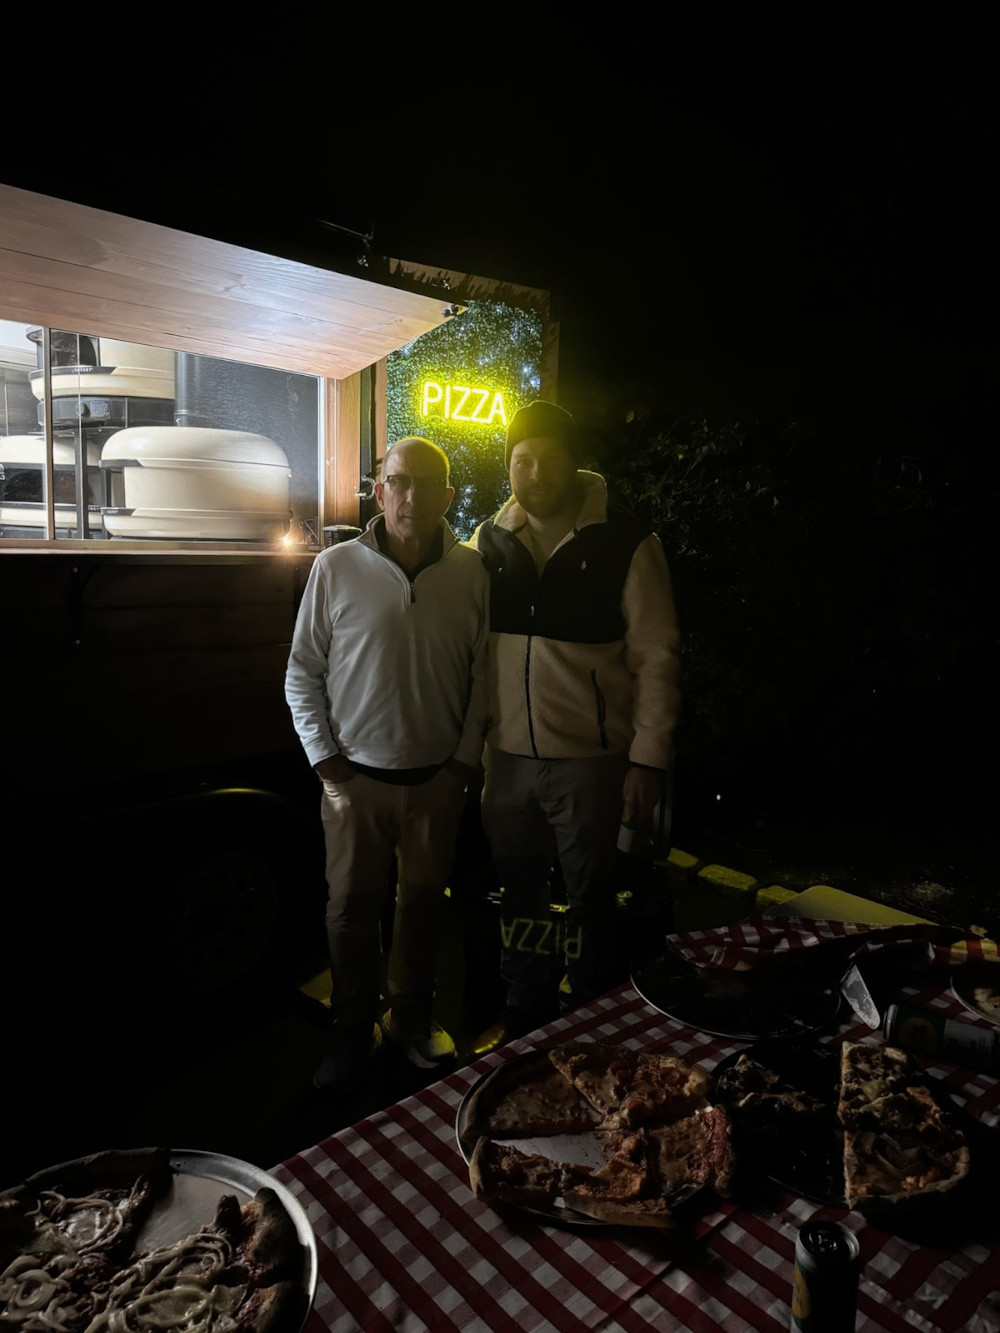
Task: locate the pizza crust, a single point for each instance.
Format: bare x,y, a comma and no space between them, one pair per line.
272,1246
635,1213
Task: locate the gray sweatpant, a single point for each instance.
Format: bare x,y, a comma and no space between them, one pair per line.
536,810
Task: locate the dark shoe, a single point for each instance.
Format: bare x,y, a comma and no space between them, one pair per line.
346,1068
513,1023
427,1048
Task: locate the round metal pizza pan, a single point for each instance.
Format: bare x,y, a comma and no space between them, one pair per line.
969,978
199,1180
730,1004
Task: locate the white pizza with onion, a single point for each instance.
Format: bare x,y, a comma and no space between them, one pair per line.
71,1262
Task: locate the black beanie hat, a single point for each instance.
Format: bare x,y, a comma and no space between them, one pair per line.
541,421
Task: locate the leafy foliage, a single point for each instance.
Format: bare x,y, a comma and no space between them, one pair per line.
812,584
498,346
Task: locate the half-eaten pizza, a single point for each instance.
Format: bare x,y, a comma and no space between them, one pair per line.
878,1138
645,1115
71,1257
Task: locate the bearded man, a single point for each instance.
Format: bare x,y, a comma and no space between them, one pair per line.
584,695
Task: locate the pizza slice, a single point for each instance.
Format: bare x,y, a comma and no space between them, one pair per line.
695,1151
500,1172
648,1173
526,1099
628,1088
661,1087
627,1190
760,1100
869,1071
901,1146
680,1156
890,1170
600,1072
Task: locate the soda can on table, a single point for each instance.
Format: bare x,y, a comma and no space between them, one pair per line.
930,1033
825,1284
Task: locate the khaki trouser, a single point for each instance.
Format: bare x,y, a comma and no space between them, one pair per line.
368,824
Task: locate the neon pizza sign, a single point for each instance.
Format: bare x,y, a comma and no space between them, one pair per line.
460,402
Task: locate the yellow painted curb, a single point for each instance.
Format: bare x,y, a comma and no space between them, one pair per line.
728,881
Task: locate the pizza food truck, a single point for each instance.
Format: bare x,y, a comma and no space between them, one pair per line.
186,421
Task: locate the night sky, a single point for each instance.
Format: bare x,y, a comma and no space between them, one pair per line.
785,220
778,210
775,213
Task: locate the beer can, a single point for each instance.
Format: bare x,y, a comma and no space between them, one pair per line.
929,1033
825,1284
631,841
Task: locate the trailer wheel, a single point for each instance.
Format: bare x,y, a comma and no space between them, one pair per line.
238,908
218,919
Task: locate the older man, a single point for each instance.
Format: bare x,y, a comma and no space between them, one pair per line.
584,694
386,683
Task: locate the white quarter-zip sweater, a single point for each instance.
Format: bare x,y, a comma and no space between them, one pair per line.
388,672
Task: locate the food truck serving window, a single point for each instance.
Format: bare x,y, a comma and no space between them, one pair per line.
109,441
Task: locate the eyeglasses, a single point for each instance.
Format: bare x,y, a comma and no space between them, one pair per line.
401,482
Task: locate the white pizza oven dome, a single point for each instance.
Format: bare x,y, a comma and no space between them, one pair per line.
195,482
105,367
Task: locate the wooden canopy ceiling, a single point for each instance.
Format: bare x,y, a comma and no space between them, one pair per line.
70,266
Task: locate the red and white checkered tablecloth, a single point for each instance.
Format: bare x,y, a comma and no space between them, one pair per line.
404,1245
770,936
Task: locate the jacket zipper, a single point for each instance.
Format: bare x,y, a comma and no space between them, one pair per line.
602,711
411,583
527,689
